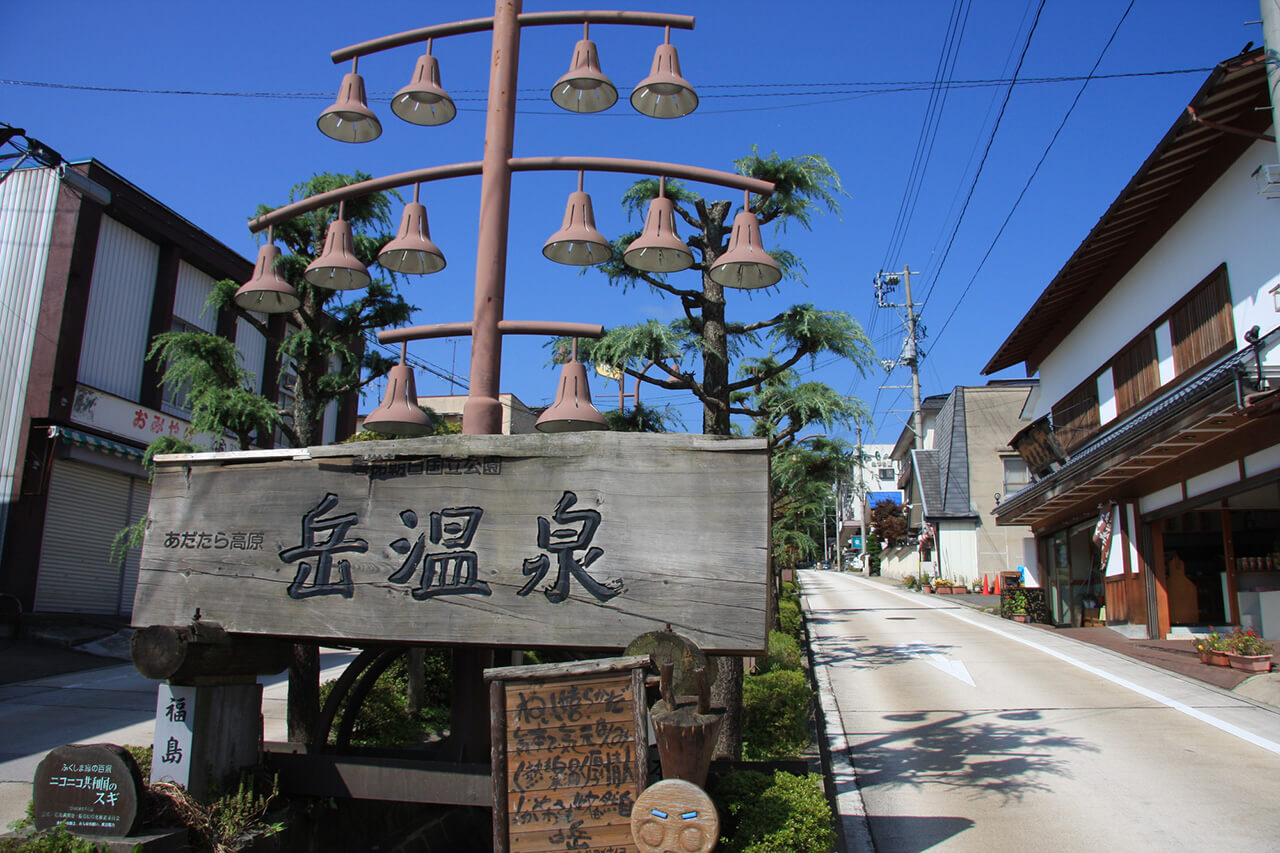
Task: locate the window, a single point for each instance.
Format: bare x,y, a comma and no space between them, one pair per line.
1016,475
1075,416
1136,372
1201,322
884,474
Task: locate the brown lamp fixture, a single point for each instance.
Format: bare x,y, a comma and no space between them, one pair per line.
578,243
399,413
266,290
664,93
338,268
572,411
349,118
584,88
424,101
412,252
659,248
746,265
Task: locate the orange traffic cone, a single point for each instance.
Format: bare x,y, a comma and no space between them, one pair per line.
986,585
996,591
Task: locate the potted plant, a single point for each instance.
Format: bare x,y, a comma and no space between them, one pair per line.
976,587
909,581
1212,649
1017,606
942,587
926,584
1248,652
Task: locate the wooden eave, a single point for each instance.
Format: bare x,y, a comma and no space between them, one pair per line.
1185,163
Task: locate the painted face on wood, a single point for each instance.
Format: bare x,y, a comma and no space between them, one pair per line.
674,816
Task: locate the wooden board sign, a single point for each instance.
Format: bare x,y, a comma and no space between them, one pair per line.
586,539
570,749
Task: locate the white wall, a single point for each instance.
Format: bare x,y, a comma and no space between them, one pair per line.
958,550
1230,223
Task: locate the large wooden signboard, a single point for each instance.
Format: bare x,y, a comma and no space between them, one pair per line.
588,539
570,748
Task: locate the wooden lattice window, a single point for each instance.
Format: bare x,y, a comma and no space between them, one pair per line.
1201,322
1136,372
1075,416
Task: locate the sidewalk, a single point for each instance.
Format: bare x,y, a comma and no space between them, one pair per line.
1174,656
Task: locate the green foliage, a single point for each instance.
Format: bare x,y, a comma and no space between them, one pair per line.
56,840
1211,642
775,714
1247,642
909,581
784,653
873,554
642,418
1016,603
231,820
783,814
802,478
790,621
384,718
142,757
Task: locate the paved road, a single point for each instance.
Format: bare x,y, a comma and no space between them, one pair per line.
111,705
968,732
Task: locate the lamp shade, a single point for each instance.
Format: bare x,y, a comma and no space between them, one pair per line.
664,93
412,251
338,268
349,118
746,265
584,88
424,101
399,413
266,290
572,411
578,243
659,248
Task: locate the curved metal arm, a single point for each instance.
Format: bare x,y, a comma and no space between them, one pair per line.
506,327
517,164
526,19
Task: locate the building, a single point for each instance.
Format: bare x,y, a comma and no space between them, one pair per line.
875,476
955,482
91,269
517,418
1154,439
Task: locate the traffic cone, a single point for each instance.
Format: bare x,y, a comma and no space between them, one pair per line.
986,585
996,591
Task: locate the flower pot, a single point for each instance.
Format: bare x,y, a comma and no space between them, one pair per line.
1218,659
1204,655
1250,663
926,588
1019,617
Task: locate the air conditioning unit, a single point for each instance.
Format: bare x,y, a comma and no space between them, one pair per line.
1268,178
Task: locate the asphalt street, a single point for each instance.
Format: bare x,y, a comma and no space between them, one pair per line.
955,730
114,704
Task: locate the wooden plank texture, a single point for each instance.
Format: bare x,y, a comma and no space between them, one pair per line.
567,540
575,794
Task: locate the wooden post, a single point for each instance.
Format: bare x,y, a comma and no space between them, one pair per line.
1160,575
1229,555
687,728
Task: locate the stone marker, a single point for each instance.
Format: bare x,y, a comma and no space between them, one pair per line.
93,790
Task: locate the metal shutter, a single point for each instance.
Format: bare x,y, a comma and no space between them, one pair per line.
87,507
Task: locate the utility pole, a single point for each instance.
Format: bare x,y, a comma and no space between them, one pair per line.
910,355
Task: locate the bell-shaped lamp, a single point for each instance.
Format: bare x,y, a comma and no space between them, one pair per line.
349,118
572,411
412,252
266,290
665,93
338,268
584,88
745,265
424,101
578,243
399,413
659,248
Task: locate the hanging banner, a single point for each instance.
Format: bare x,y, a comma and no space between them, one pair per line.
589,539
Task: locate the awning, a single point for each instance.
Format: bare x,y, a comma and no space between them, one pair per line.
93,442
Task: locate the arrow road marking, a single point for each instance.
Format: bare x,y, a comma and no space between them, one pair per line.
941,662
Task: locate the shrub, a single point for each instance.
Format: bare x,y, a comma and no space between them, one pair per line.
384,718
909,581
789,619
785,814
784,653
775,714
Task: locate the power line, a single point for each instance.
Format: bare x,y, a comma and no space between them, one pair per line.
1034,172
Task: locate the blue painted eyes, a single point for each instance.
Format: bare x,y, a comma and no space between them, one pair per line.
657,813
688,815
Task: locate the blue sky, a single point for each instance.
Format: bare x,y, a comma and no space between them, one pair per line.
840,79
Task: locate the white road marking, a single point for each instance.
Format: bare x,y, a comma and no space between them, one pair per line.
1194,713
941,662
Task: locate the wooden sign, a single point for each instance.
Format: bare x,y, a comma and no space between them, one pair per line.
93,790
570,748
675,815
587,539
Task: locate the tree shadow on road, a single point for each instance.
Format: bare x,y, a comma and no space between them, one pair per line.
986,753
856,653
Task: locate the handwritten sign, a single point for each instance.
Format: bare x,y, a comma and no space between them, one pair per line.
92,790
569,755
582,540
